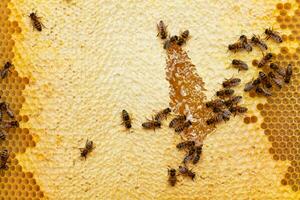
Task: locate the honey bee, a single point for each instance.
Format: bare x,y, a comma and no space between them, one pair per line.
189,155
3,135
35,20
162,30
198,151
260,90
5,70
168,42
274,35
10,112
250,85
11,124
172,176
265,59
231,82
288,73
277,69
241,65
214,120
232,101
225,115
177,120
185,144
215,103
126,119
238,109
183,126
151,124
183,37
4,155
276,80
225,92
264,79
162,114
89,146
217,109
5,107
258,42
246,45
186,172
235,47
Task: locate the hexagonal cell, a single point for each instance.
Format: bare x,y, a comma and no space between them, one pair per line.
247,120
287,6
279,6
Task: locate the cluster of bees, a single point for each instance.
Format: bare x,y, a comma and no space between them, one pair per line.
168,40
179,123
275,74
7,120
226,103
193,153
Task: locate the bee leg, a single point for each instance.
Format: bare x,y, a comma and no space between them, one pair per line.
267,37
43,25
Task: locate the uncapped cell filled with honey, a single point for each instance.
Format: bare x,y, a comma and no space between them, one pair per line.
281,113
15,183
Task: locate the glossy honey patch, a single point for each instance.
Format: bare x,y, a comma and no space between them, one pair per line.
187,92
15,183
281,113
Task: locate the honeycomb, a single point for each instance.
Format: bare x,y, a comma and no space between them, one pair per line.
236,164
281,112
15,183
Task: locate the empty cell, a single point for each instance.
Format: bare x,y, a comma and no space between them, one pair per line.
267,119
260,106
28,175
271,150
263,126
290,181
290,157
275,145
287,6
271,138
279,6
295,188
275,157
279,18
278,151
246,120
284,182
263,113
